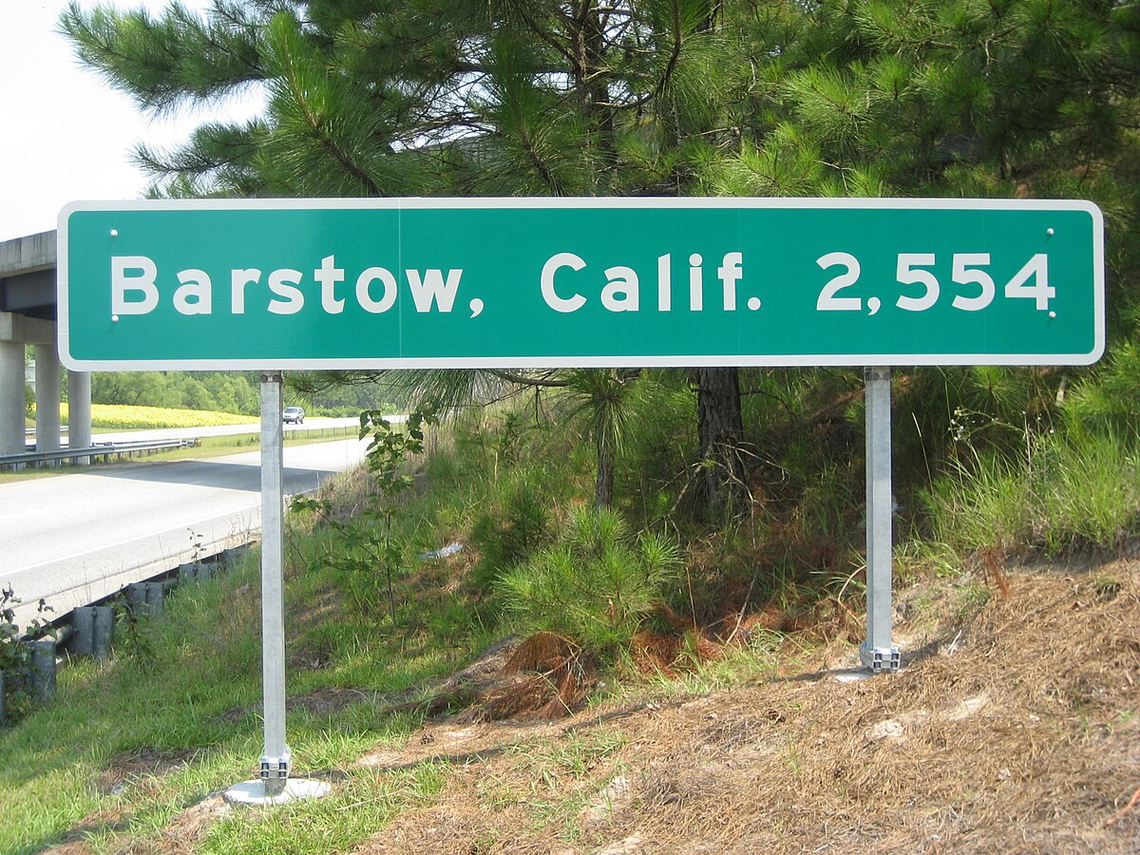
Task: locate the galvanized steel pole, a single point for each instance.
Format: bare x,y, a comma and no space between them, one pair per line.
877,652
273,786
275,759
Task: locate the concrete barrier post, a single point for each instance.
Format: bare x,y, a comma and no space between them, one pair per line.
154,592
188,573
136,598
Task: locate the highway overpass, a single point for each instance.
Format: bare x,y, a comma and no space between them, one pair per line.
28,316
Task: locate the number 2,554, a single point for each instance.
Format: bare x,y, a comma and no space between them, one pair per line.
921,289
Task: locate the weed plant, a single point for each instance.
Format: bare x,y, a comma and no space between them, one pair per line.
368,543
16,656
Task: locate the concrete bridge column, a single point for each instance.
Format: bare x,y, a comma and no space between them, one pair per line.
79,412
11,397
47,398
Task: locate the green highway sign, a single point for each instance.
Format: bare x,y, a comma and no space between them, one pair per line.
401,283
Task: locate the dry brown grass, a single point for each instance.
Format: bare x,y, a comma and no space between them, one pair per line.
547,676
1022,735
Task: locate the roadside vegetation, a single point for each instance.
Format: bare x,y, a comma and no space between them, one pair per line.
124,417
558,610
224,391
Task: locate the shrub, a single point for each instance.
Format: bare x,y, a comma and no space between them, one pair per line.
15,655
509,535
595,585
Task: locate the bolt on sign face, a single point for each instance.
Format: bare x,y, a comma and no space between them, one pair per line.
401,283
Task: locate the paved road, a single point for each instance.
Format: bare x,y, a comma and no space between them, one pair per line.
75,538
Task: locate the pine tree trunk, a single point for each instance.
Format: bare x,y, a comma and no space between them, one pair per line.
720,432
604,492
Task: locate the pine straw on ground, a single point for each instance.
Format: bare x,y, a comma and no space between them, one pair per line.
1021,734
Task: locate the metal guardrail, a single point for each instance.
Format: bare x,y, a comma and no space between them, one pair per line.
101,450
89,630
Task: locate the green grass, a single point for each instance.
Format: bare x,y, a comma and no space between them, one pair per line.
50,763
1064,492
192,692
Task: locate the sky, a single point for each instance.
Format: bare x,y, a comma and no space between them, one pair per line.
65,135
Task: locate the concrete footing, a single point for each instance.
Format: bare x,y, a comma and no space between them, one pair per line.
296,789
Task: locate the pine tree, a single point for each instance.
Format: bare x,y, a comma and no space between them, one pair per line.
383,97
952,98
424,97
648,97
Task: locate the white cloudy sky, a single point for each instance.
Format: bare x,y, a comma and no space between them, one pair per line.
64,134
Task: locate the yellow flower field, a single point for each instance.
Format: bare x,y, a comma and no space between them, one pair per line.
123,417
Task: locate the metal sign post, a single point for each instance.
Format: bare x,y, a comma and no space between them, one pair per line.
877,652
275,758
274,785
